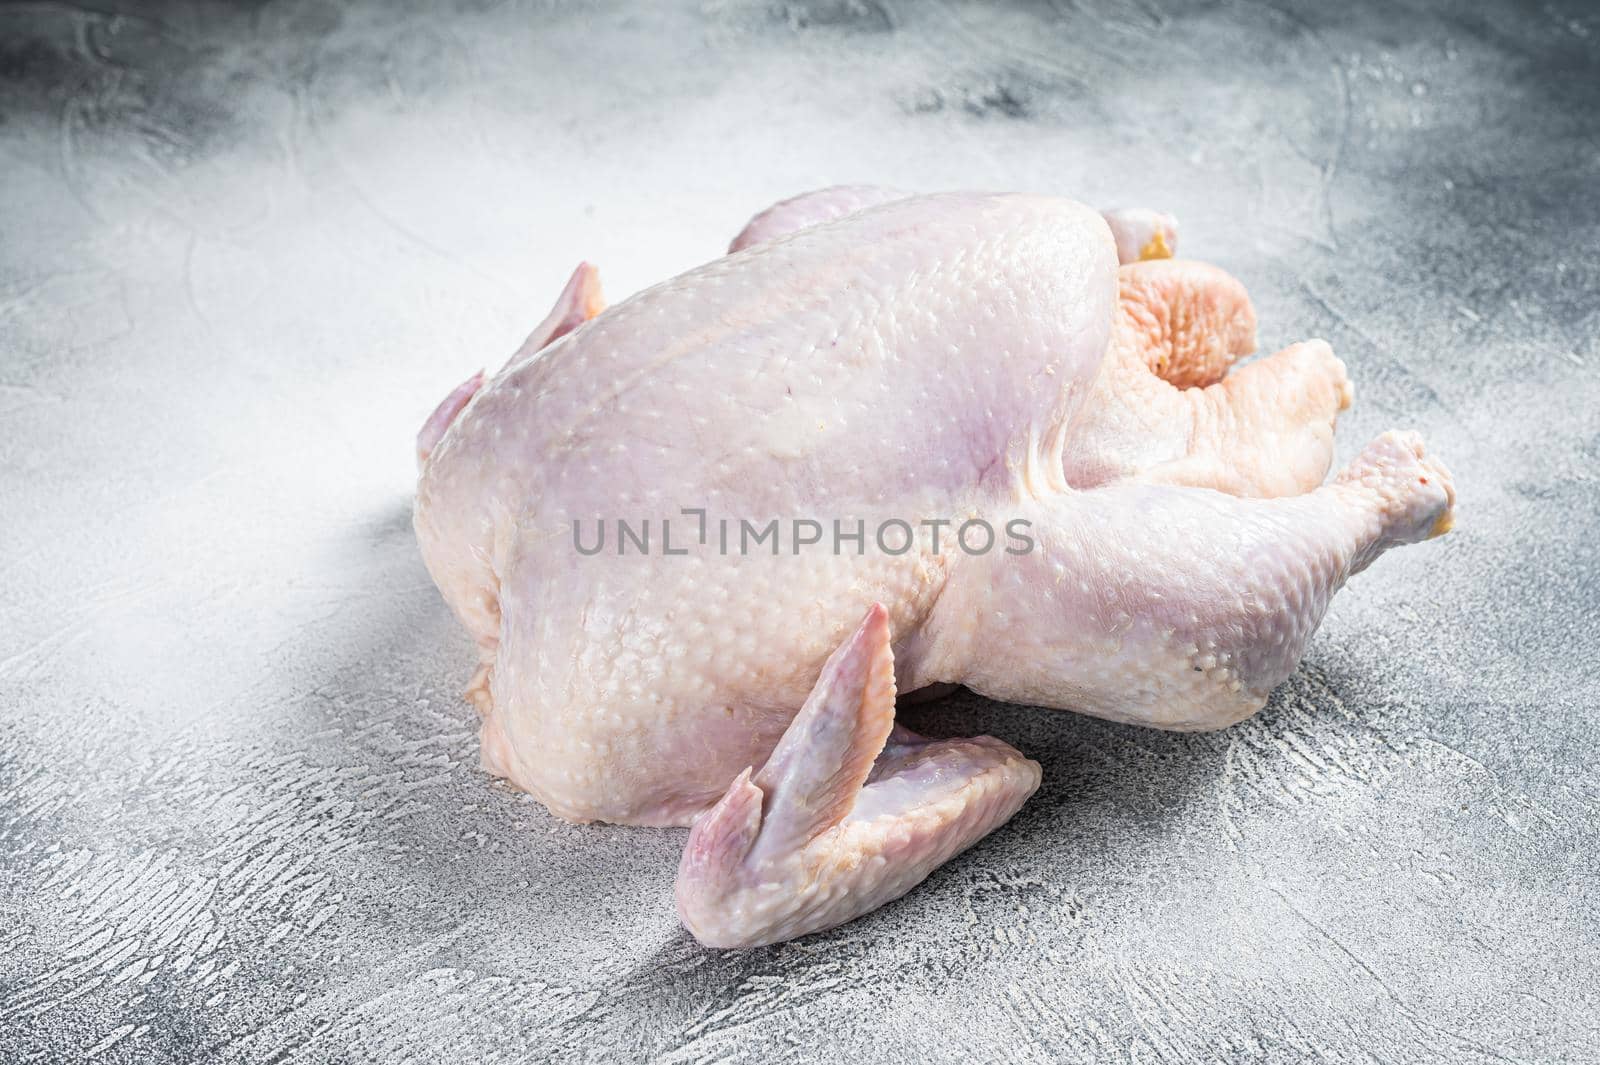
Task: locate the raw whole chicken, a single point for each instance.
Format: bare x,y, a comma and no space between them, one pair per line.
704,536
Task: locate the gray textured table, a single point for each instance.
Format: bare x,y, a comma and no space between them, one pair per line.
244,249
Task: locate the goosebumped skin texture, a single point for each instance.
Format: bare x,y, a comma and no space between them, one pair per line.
944,357
791,380
1162,410
1167,410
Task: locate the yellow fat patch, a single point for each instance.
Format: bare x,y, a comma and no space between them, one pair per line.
1155,248
1444,524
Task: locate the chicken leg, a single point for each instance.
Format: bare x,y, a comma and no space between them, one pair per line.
1180,608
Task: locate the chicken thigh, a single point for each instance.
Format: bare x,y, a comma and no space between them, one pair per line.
702,537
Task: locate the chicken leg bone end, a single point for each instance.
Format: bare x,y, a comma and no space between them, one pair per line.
1142,234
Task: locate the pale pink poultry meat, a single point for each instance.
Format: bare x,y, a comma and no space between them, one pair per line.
961,358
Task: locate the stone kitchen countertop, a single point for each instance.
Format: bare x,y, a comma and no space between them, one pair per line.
245,248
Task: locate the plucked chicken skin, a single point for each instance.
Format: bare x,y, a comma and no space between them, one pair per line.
868,382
